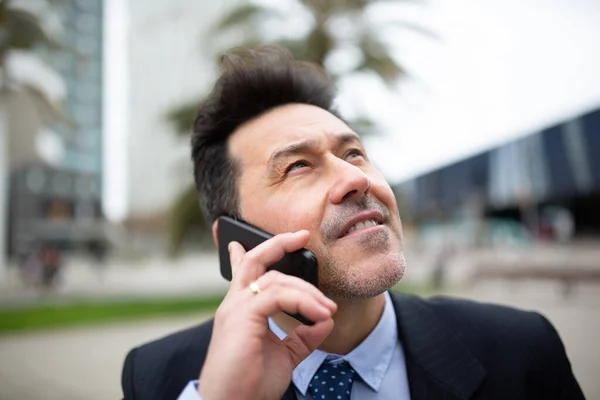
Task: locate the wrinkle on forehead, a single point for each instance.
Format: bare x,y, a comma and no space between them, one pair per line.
255,141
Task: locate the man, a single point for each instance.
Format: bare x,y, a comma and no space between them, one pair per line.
269,148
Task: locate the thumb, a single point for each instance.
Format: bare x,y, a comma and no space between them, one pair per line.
305,339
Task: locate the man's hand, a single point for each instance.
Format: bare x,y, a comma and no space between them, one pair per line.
245,359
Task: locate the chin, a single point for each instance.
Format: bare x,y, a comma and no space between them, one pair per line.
364,279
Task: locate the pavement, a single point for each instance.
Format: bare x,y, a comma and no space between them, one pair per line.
78,363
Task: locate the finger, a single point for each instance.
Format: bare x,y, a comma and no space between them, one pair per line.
279,279
305,339
292,301
257,260
236,254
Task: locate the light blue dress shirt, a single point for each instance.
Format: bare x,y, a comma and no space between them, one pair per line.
378,361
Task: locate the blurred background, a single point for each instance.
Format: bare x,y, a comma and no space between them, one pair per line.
484,115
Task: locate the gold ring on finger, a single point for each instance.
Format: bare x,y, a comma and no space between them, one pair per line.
254,288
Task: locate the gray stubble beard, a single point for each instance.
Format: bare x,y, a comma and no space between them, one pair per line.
343,282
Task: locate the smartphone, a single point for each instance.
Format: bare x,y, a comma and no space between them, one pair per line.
301,263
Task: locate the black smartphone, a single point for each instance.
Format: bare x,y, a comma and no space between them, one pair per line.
301,263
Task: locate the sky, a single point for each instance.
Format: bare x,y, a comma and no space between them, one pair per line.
497,70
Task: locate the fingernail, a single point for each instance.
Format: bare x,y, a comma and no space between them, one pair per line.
229,246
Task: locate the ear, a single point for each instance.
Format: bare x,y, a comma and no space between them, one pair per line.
215,231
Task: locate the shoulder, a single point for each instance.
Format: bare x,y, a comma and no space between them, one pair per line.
489,328
161,368
465,313
457,311
493,331
512,345
193,338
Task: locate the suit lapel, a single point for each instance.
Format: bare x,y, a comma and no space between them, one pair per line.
290,393
439,365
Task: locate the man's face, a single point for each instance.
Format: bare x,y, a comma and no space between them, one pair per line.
303,168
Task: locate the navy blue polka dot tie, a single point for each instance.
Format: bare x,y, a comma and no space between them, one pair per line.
332,381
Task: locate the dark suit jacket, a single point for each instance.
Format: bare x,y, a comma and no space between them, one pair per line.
455,349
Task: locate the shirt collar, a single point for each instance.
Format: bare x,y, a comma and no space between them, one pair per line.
370,359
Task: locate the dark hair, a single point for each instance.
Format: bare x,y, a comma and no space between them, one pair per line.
252,82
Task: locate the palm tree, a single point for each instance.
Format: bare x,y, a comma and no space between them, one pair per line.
20,30
318,45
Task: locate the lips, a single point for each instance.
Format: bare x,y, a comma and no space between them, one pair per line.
360,221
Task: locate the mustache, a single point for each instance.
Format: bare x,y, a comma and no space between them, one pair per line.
330,228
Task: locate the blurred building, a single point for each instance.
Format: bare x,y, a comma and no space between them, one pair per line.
81,68
57,197
56,207
546,181
169,61
127,63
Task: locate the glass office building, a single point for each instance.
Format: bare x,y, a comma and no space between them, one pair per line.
61,204
81,68
555,167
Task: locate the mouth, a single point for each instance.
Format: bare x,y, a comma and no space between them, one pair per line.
361,222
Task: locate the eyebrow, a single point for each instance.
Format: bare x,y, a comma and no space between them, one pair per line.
309,145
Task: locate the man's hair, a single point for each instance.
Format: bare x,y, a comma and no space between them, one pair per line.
252,82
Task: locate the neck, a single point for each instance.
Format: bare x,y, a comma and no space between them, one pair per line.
354,321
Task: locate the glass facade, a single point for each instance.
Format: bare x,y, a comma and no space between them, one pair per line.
60,205
81,68
558,164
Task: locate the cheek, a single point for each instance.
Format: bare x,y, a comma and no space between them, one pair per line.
295,211
283,212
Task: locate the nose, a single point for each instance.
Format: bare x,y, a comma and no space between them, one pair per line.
350,182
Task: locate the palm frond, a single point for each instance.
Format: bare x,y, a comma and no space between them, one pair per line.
317,7
384,66
185,215
298,47
376,58
182,117
419,29
350,5
244,14
400,1
23,31
319,44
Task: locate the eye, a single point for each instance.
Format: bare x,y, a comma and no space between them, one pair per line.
354,153
296,165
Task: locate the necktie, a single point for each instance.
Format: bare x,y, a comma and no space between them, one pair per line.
332,381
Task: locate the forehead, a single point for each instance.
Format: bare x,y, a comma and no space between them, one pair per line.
257,139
